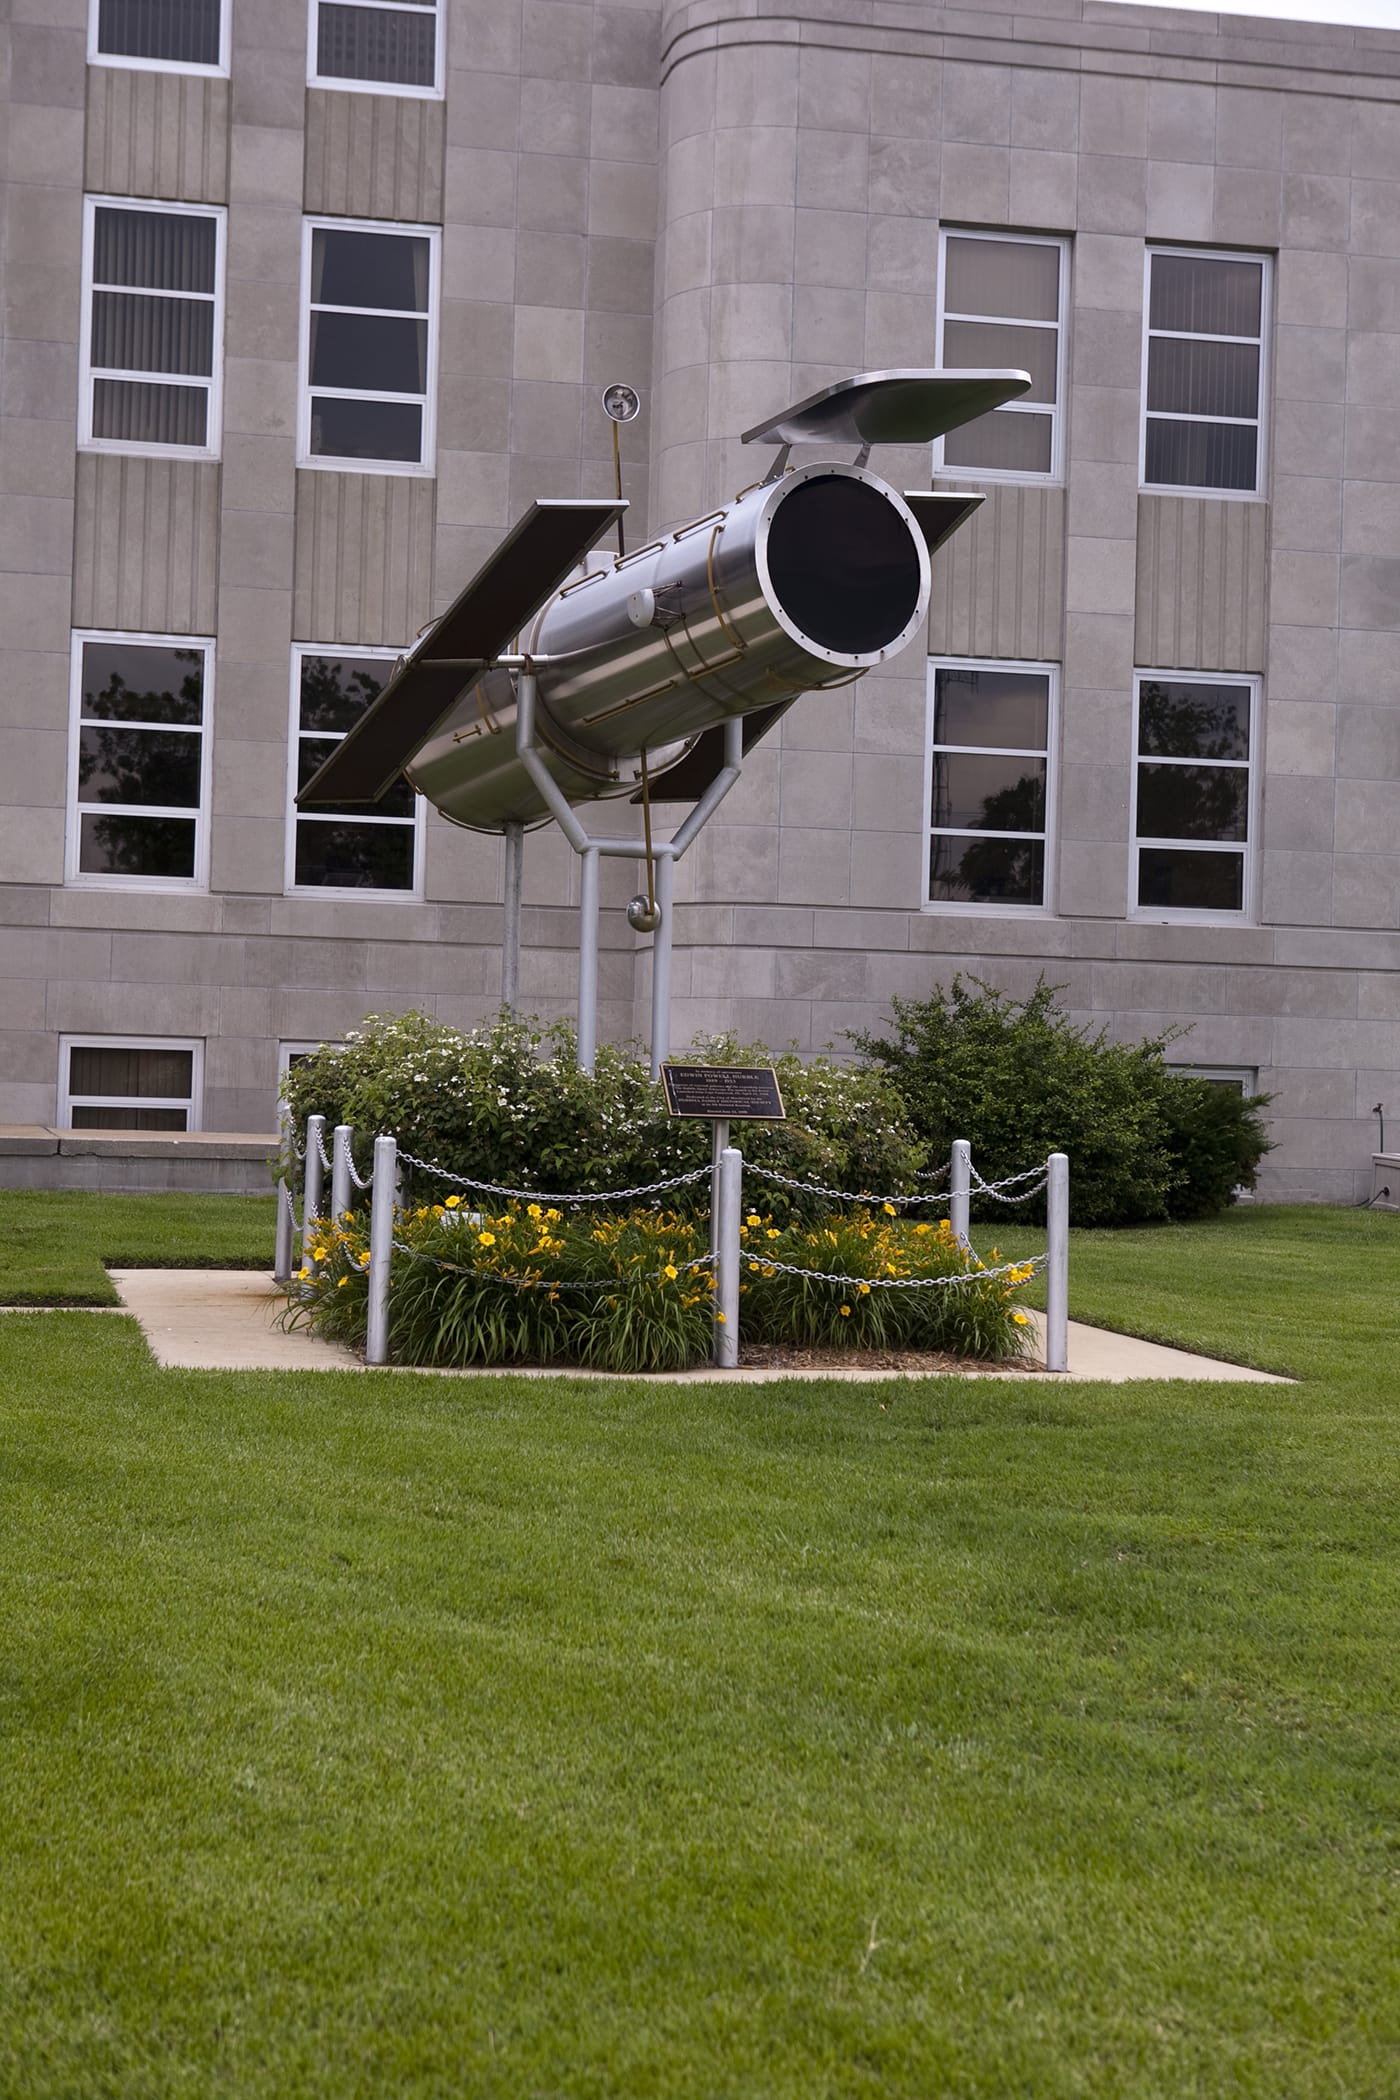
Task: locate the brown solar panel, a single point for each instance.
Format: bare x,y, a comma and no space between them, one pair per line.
939,514
532,561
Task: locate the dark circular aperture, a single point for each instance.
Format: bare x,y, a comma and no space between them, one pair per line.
844,564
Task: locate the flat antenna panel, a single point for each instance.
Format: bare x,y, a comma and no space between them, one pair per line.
532,561
890,408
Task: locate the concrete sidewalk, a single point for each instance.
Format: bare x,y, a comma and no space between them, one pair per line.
223,1320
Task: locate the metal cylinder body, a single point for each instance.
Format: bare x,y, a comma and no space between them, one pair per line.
804,582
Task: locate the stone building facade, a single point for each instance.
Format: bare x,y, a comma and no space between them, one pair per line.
298,318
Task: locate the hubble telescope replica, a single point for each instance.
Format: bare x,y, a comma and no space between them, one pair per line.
561,677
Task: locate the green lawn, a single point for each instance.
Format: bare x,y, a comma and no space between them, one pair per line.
379,1735
53,1243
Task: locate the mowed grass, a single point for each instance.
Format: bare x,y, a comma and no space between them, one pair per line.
372,1735
53,1243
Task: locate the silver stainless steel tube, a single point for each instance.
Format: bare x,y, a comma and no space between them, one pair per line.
661,964
340,1172
960,1188
311,1194
588,958
804,582
282,1256
510,928
381,1249
731,1203
1057,1267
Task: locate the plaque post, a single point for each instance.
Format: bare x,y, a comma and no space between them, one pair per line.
731,1170
719,1138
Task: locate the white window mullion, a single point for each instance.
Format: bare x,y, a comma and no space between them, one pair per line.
1172,899
1038,690
974,443
373,665
395,440
405,58
162,385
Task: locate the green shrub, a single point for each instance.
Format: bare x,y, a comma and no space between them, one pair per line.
1019,1080
634,1291
506,1103
1216,1137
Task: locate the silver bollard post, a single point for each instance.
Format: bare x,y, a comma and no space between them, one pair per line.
381,1248
282,1256
1057,1267
960,1188
731,1203
719,1138
311,1189
340,1172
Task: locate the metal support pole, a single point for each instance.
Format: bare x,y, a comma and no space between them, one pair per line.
282,1256
960,1188
719,1138
340,1172
514,834
731,1203
381,1248
311,1192
661,965
587,958
1057,1267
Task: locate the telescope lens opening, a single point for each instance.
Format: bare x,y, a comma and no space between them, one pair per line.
843,564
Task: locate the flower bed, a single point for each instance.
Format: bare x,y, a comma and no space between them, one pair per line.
634,1291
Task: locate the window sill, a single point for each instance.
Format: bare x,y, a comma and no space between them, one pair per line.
398,89
932,910
158,65
320,464
157,885
1156,488
328,895
116,449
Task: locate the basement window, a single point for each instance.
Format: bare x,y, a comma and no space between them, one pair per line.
129,1083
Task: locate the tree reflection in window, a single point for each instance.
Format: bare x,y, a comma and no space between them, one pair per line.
140,760
1193,794
347,848
989,768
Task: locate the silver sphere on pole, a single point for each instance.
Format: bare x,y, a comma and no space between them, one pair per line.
643,916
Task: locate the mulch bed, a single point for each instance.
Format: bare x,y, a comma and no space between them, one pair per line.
919,1363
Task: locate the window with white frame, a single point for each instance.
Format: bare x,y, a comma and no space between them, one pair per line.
369,346
989,784
392,46
1204,371
1001,302
152,328
1193,801
1236,1079
129,1083
349,849
139,775
178,36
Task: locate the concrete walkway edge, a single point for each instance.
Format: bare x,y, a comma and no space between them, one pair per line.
225,1320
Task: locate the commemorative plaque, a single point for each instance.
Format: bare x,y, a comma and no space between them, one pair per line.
724,1093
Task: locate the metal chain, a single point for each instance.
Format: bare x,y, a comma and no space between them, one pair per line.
903,1283
996,1189
325,1156
358,1180
289,1205
538,1283
495,1188
933,1173
817,1188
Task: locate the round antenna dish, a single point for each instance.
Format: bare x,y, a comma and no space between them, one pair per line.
621,403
